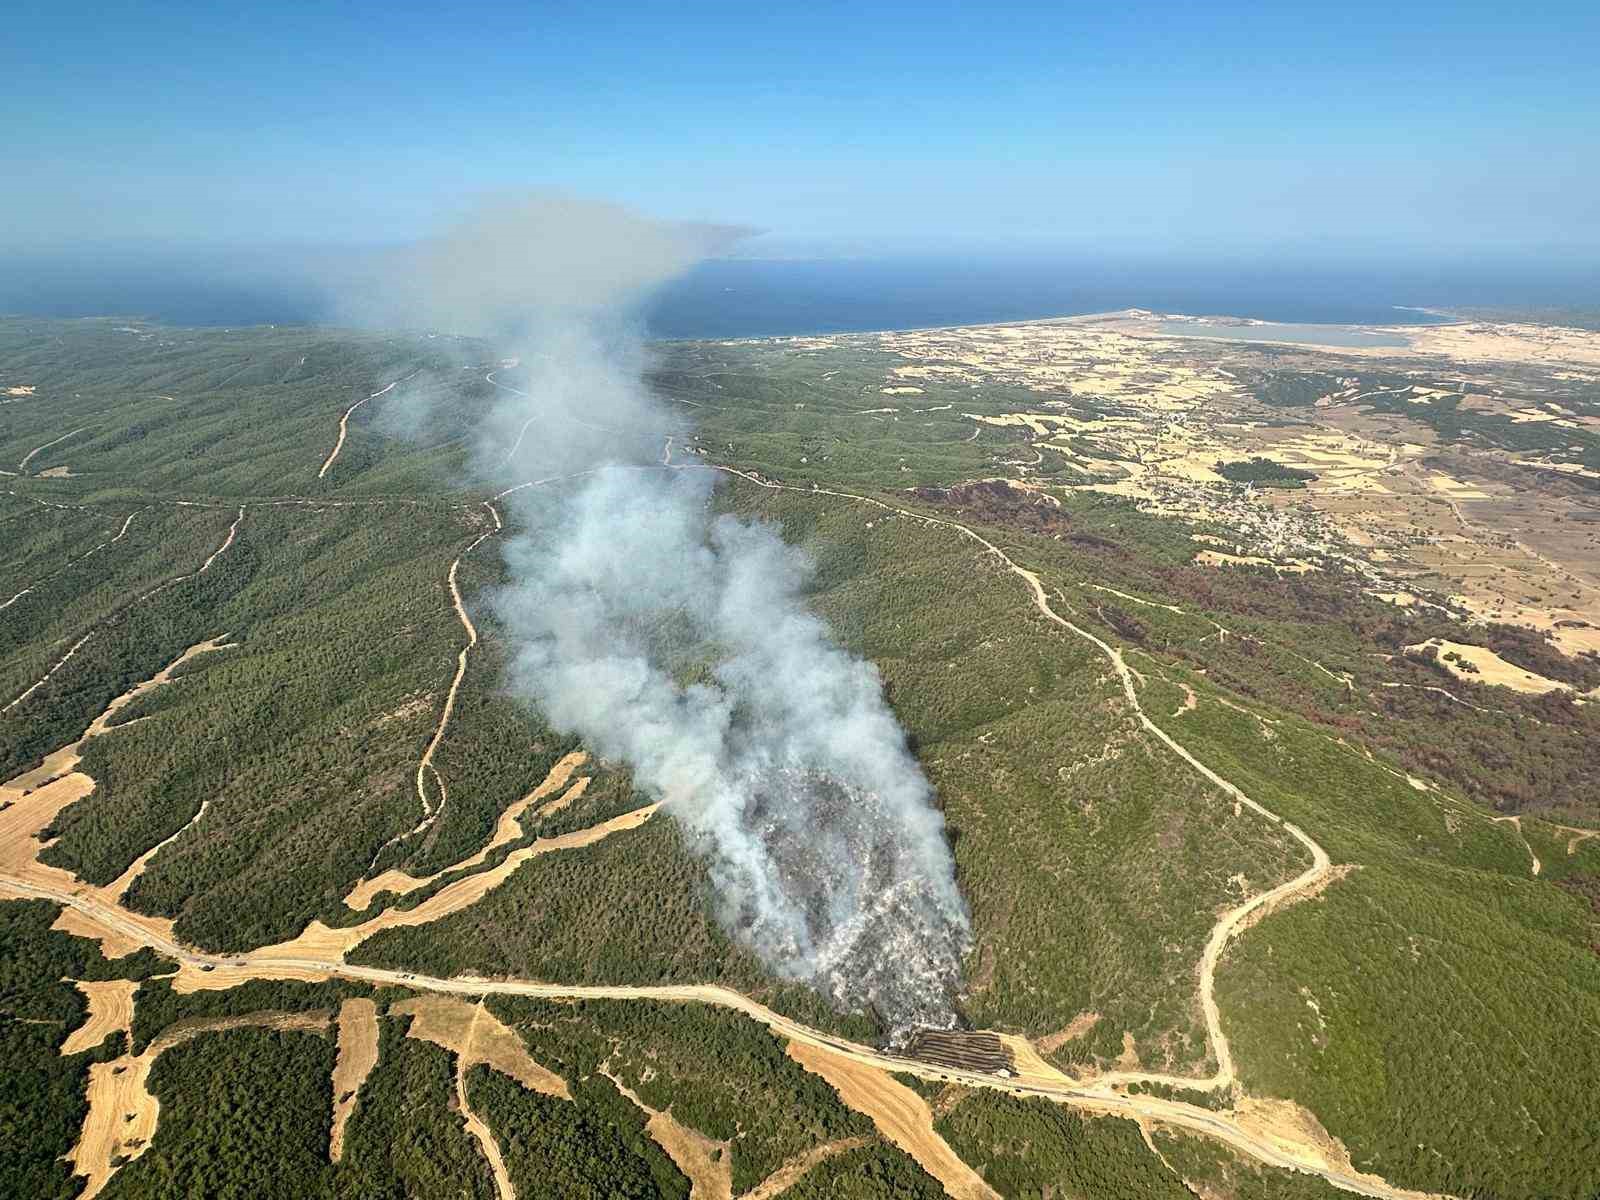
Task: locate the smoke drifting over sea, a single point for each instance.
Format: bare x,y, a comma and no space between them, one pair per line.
679,640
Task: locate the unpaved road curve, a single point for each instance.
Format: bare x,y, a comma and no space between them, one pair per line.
476,1126
28,457
344,421
430,813
426,762
1183,1116
1516,823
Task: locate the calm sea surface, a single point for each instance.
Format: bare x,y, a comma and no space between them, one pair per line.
736,298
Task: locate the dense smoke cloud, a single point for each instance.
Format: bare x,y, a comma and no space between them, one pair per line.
678,640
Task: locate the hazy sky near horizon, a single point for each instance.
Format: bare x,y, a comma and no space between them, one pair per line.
1420,127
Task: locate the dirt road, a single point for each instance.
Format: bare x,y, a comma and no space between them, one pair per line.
22,466
45,678
478,1128
430,811
1516,823
344,421
122,533
426,762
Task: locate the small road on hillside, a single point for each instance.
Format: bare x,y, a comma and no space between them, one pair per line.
344,421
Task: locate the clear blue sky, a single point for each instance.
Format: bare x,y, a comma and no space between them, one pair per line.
1435,127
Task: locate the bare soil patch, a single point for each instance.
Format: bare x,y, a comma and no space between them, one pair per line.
900,1115
550,807
122,1110
703,1160
1075,1029
110,1011
1028,1063
1479,664
120,1123
476,1036
358,1054
507,829
112,943
1218,558
1294,1131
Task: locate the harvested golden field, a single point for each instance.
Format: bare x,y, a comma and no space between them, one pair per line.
358,1054
475,1036
110,1011
900,1114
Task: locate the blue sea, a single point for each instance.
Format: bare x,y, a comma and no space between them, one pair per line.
740,298
752,298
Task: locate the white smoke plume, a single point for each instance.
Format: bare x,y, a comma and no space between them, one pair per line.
679,640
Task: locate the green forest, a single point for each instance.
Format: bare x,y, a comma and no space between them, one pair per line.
1428,1006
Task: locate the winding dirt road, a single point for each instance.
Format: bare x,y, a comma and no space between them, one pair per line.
22,466
426,762
344,421
1516,823
430,813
